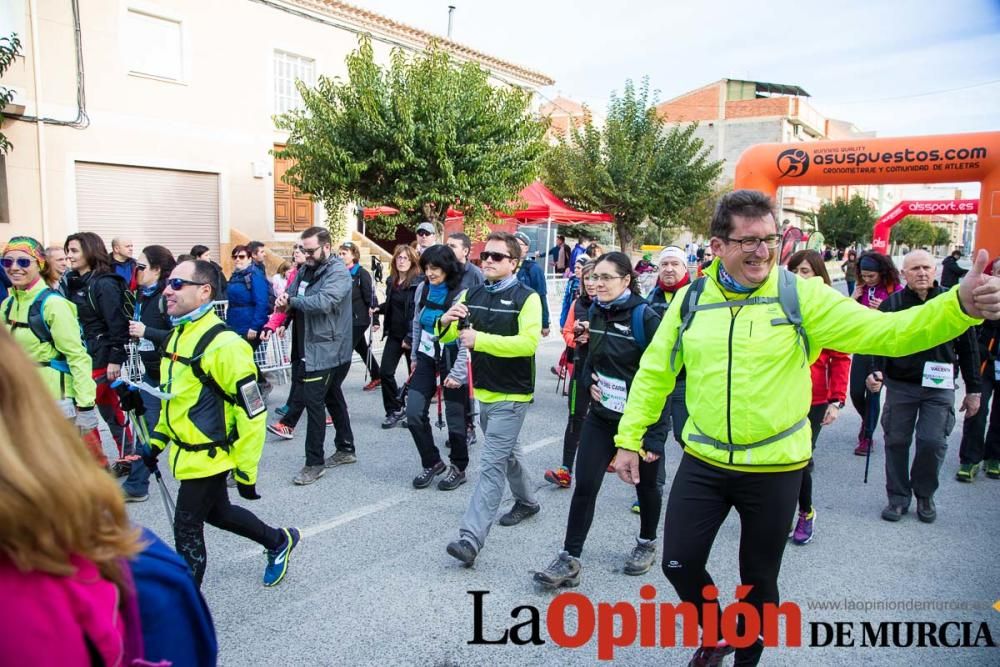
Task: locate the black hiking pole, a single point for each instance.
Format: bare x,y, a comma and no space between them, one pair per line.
871,407
168,501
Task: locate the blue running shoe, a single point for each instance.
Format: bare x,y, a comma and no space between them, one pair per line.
277,561
282,411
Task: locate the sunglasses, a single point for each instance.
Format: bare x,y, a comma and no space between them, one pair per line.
178,283
241,256
424,232
495,256
22,262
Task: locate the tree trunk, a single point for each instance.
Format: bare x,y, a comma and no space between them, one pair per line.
626,236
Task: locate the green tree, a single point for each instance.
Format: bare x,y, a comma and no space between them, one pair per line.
421,134
634,166
942,238
913,232
10,47
846,222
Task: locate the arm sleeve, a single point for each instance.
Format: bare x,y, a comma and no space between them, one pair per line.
840,372
460,369
415,322
653,382
261,309
968,361
522,344
60,315
276,320
568,326
367,289
230,361
542,290
110,300
335,289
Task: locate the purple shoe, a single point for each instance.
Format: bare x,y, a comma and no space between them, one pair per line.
803,532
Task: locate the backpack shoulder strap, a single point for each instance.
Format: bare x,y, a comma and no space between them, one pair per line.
36,316
198,353
639,324
788,299
687,314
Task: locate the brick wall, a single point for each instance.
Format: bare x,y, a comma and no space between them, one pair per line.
765,106
701,104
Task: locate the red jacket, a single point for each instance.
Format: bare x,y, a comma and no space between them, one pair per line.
829,377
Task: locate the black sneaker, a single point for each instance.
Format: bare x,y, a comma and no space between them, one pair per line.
424,479
518,513
394,419
463,551
454,479
926,511
563,571
894,512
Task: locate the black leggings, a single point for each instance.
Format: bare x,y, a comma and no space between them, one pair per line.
597,448
361,347
579,405
867,404
207,499
423,387
392,352
816,414
700,499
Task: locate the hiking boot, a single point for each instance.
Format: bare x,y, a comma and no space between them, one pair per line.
894,512
282,411
121,469
424,479
711,656
277,561
462,550
926,511
641,559
393,419
635,507
308,475
281,430
564,571
561,477
993,468
136,497
518,513
865,445
967,472
340,458
454,479
374,384
803,532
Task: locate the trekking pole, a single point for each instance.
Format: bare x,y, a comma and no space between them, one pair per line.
871,405
168,501
440,421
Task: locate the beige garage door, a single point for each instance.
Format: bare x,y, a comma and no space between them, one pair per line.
176,209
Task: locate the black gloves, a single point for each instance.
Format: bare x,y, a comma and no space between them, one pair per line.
247,491
149,455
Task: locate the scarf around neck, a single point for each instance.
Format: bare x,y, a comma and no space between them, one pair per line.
729,283
501,285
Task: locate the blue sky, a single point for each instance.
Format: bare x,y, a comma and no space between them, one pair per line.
849,55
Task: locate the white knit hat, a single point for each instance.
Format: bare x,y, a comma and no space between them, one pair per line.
672,251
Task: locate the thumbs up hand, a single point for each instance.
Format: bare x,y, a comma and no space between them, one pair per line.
978,292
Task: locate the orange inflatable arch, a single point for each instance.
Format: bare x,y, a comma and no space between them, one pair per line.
945,158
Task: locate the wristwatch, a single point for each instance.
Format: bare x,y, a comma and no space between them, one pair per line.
839,404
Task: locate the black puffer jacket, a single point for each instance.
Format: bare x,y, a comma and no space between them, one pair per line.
100,307
362,296
150,309
397,310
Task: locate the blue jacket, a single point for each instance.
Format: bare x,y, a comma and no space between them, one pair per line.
248,295
572,291
531,275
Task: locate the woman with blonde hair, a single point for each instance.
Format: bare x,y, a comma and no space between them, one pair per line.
64,534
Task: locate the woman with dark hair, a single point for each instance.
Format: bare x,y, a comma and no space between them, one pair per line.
397,311
621,325
247,292
100,296
201,252
850,269
435,295
576,333
829,391
879,280
150,327
363,303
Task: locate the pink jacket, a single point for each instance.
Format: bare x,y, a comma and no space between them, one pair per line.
880,293
47,619
278,319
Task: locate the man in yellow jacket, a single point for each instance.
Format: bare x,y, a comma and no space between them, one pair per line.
214,415
747,353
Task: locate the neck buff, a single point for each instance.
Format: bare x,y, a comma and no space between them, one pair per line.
729,283
150,291
193,316
354,270
501,285
685,279
619,300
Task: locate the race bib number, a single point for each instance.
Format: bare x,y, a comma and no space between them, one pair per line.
302,288
146,345
426,345
613,392
938,375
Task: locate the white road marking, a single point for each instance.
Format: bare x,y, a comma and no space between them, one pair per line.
542,443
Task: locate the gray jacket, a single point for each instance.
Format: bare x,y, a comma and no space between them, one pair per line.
459,369
324,302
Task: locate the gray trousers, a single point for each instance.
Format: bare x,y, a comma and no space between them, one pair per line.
929,412
500,462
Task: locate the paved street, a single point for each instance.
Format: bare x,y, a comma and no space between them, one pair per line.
371,582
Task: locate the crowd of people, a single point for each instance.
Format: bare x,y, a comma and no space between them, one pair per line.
638,365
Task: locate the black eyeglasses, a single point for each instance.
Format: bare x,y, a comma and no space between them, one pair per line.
310,251
495,256
141,267
23,262
750,244
177,283
424,232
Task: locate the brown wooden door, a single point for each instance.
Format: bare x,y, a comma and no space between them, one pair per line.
293,209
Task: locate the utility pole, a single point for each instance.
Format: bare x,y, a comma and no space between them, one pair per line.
451,11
